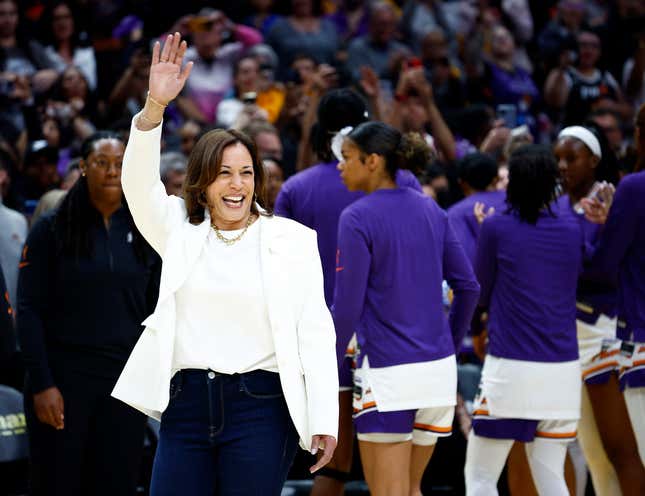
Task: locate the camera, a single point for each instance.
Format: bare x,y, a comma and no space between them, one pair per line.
249,97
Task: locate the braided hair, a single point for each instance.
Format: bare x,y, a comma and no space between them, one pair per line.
76,214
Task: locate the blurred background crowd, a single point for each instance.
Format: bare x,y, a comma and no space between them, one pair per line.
470,75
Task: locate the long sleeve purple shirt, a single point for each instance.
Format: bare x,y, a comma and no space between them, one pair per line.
463,221
528,275
316,197
621,250
594,295
395,247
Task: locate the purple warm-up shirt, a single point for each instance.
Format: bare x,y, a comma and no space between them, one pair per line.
315,197
621,250
463,221
528,275
594,296
395,247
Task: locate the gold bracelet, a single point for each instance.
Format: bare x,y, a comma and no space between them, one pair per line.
141,116
158,104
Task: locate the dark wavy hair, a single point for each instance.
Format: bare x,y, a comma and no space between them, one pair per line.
532,180
76,214
204,164
400,151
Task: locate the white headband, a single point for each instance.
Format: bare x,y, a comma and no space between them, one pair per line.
337,142
584,135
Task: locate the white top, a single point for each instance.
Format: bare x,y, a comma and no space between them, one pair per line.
411,386
532,390
222,318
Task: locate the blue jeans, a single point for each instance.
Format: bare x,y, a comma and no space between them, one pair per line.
225,435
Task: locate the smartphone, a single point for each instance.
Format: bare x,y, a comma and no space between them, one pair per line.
249,97
507,113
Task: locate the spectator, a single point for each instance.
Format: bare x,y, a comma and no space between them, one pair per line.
503,82
72,104
262,18
415,110
129,93
266,138
275,178
351,20
579,89
634,74
443,73
271,94
422,16
305,31
38,176
23,63
12,234
558,39
67,46
212,75
610,123
246,77
87,280
173,172
188,134
378,49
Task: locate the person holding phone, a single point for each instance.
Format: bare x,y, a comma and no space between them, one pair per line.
240,109
213,55
604,431
237,360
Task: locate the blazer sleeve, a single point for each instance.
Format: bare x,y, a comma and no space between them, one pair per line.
154,212
317,347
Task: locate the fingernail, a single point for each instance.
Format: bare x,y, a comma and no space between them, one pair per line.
314,451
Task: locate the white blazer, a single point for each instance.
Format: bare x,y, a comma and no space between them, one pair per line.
303,331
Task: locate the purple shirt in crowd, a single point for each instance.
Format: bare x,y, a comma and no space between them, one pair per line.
594,296
528,275
463,221
395,247
315,197
621,250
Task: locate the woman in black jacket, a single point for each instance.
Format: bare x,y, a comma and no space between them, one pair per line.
87,280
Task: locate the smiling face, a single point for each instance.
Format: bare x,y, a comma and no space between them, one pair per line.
103,171
353,169
230,196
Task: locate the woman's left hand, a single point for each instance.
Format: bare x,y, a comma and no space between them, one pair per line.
325,443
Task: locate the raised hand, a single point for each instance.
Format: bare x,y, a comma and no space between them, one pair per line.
369,82
166,75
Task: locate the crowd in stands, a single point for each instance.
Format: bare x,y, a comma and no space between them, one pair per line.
477,79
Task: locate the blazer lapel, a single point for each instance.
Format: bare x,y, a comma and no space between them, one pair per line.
186,246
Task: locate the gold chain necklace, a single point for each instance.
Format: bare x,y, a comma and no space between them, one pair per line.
230,241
